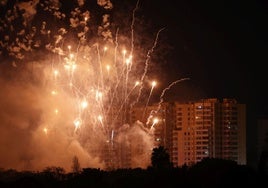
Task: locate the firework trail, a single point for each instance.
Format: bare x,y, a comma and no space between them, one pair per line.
132,27
146,67
86,90
151,114
150,94
102,98
167,88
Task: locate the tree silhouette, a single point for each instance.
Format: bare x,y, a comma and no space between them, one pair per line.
76,165
160,158
54,172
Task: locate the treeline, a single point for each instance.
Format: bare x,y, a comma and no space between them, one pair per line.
208,173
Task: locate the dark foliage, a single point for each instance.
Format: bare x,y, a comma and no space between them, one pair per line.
160,158
208,173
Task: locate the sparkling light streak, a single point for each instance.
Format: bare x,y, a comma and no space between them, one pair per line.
85,97
99,101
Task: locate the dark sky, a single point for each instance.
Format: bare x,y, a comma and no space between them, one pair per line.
220,45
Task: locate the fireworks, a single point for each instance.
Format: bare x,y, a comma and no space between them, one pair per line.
87,92
98,89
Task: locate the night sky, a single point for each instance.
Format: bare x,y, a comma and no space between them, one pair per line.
221,46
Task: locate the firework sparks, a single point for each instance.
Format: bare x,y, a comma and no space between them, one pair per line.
86,92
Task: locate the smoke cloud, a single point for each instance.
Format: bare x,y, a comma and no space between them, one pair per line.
33,138
66,85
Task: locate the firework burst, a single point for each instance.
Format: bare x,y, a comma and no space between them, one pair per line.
86,89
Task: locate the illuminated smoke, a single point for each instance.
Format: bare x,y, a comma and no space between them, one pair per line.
75,98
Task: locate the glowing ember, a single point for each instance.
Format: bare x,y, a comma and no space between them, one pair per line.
87,90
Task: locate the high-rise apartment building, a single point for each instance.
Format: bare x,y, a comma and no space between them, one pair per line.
195,130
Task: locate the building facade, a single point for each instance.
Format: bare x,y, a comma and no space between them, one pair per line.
195,130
